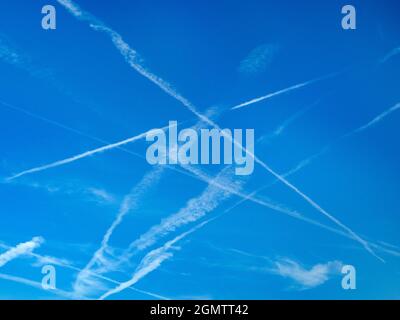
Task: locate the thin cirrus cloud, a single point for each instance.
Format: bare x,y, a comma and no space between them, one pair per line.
259,59
152,261
132,58
20,250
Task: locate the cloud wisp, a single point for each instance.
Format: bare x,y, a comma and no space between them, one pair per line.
286,90
306,278
20,250
326,148
152,261
258,60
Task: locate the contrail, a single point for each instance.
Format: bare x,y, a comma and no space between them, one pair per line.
378,118
195,209
37,285
20,249
152,261
65,264
128,204
81,156
282,91
134,61
390,55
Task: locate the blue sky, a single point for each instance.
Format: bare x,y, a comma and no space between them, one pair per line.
116,227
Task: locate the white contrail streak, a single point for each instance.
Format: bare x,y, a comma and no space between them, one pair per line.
81,156
37,285
129,203
152,261
195,209
133,60
19,250
282,91
391,54
378,118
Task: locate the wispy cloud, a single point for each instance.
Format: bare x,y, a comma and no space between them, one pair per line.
258,60
11,55
101,195
84,280
306,278
19,250
152,261
286,90
134,61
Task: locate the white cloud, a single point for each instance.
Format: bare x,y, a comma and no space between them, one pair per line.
258,59
306,278
19,250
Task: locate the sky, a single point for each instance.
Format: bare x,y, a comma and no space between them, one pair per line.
77,192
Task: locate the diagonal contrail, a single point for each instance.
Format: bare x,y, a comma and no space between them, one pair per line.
81,155
282,91
378,118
